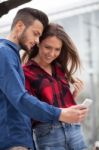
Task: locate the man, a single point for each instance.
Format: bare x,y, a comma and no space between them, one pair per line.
16,105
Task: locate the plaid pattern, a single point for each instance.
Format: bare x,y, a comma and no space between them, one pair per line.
51,89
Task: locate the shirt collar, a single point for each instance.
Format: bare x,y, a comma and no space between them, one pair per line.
12,44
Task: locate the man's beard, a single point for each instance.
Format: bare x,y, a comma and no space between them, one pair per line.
23,46
22,40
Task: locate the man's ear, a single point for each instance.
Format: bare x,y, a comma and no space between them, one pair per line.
20,25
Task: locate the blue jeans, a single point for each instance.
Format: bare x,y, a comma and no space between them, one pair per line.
59,136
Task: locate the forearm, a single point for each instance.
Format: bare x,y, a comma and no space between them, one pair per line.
38,110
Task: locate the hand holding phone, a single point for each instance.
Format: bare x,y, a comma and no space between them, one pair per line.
87,102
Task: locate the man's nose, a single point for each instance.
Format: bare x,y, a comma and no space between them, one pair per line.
37,40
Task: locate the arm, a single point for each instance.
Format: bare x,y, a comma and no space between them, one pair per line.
12,86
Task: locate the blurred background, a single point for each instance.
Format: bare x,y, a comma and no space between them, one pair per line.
80,19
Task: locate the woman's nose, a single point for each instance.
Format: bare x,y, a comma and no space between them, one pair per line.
52,53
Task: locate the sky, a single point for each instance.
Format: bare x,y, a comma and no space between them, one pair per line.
48,6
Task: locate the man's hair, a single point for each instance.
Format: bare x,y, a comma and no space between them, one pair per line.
28,15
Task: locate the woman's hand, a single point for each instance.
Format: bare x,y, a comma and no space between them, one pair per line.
78,86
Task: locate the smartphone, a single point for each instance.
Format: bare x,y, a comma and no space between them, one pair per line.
87,102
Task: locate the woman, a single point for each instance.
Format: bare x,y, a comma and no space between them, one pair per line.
48,71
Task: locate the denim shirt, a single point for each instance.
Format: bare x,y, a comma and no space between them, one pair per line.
16,105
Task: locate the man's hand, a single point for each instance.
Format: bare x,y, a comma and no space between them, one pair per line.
73,114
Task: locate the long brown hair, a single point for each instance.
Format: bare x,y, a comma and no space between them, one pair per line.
68,58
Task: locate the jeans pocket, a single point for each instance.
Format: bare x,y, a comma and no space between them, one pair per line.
42,131
77,138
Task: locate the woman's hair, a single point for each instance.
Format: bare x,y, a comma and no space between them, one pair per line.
28,15
68,58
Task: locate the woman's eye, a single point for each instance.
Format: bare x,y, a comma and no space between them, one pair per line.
58,49
48,47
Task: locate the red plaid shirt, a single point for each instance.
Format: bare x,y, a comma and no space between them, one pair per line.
51,89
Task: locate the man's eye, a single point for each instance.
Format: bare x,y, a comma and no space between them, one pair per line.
36,34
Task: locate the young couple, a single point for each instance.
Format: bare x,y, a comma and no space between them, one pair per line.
48,100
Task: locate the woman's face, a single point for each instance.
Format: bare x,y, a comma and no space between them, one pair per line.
49,49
